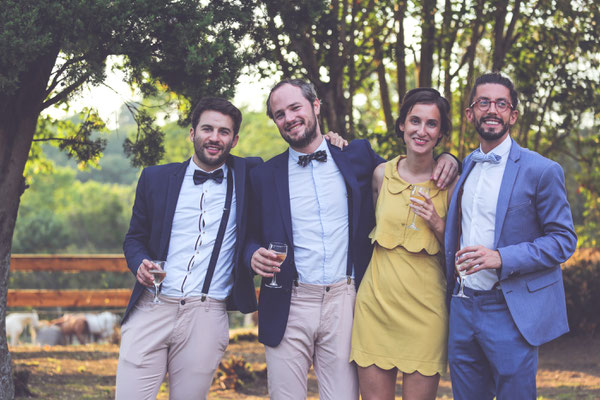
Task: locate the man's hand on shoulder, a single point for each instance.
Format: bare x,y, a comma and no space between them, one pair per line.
445,171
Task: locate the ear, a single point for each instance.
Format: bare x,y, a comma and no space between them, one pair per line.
514,114
235,140
192,135
316,106
469,114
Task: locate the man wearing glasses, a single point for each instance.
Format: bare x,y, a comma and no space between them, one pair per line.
509,226
190,214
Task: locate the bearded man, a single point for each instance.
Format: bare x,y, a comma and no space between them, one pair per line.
191,215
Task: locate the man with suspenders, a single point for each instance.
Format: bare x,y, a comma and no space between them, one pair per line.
191,215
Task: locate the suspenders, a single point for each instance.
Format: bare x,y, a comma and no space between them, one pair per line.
219,241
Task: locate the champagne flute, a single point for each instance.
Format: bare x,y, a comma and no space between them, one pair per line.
280,250
462,275
417,192
158,272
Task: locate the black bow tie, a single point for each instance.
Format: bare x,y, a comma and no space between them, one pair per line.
320,155
201,176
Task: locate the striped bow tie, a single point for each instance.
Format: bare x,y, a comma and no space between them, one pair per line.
479,157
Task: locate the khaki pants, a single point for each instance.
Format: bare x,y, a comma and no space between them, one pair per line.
184,337
318,331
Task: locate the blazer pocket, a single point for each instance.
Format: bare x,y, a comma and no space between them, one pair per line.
518,206
541,282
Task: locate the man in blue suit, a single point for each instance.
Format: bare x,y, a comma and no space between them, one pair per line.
509,227
318,200
193,215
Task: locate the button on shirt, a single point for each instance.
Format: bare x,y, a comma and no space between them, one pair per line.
193,234
479,201
319,208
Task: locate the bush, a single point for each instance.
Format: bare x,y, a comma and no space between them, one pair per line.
581,275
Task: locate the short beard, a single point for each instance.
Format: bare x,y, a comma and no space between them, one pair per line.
213,162
309,135
491,135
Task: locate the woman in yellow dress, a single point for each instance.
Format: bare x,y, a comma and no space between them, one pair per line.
400,320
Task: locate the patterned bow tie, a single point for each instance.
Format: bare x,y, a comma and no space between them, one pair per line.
201,176
479,157
320,155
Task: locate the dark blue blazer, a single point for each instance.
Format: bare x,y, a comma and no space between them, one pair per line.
270,220
150,227
534,234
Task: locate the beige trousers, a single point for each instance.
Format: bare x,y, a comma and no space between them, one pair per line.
318,331
184,337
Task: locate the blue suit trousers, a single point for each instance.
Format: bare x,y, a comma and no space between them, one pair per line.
487,354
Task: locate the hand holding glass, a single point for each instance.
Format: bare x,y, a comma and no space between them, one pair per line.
462,275
417,192
280,250
158,272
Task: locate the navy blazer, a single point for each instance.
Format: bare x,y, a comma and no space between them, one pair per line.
534,235
270,219
152,216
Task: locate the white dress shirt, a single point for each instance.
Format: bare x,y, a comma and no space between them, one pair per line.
193,235
479,201
319,208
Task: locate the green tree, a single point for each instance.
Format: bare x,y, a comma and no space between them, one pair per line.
51,48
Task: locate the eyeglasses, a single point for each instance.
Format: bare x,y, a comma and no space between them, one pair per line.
485,104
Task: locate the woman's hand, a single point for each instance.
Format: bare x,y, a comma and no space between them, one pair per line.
336,140
426,210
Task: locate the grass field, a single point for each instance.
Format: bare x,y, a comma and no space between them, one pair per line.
569,368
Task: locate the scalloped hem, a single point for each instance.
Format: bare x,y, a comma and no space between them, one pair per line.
425,368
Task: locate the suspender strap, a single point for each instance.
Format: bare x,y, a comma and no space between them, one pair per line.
350,226
219,241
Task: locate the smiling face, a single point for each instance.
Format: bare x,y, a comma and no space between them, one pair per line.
492,125
213,139
296,118
422,128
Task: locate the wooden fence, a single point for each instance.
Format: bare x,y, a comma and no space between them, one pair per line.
68,298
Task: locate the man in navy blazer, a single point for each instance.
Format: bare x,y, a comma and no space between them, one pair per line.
317,199
193,215
509,227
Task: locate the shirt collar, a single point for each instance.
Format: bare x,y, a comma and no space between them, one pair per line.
502,149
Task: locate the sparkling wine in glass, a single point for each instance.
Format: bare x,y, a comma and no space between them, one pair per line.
417,193
462,275
280,250
158,272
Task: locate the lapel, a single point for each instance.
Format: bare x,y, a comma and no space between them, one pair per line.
506,188
173,189
345,167
239,177
282,188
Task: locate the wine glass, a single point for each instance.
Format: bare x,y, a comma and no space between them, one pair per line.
280,250
417,192
158,272
462,275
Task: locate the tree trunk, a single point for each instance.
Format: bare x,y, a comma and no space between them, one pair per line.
400,53
384,92
19,113
427,43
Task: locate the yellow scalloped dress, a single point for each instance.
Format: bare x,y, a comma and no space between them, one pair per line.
400,317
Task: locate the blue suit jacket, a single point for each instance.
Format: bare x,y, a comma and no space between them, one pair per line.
534,234
150,227
271,220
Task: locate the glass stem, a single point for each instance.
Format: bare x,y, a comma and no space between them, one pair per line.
274,280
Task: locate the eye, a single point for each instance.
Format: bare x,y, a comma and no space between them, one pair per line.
432,123
414,120
502,104
484,103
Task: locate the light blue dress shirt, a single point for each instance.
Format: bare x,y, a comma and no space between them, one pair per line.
193,236
319,207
